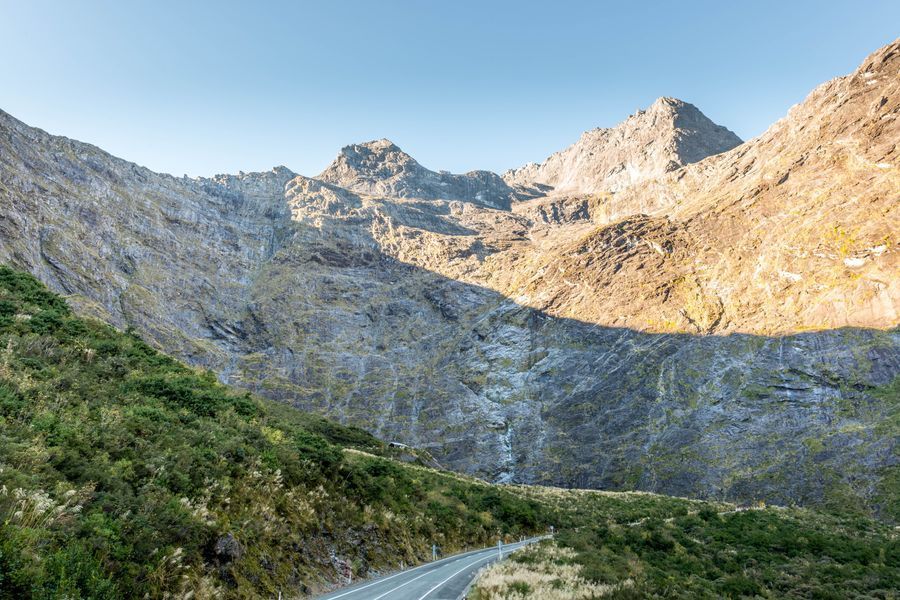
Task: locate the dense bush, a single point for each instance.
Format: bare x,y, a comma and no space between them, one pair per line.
122,470
773,553
639,545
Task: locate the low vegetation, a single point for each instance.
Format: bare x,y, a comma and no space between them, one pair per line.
646,546
546,571
125,474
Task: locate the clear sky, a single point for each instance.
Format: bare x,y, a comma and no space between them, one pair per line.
222,86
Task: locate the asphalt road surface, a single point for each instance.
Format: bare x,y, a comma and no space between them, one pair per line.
444,579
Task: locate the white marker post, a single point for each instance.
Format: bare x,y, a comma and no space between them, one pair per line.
500,549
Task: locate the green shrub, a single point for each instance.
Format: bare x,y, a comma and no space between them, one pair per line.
731,554
520,587
121,469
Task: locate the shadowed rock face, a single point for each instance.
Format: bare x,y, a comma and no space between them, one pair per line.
570,340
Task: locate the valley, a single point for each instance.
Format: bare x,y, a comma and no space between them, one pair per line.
678,349
620,337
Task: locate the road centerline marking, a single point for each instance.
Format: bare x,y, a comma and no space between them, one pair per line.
421,576
406,572
432,566
490,556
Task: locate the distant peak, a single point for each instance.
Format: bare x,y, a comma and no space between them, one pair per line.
283,170
380,146
381,143
669,133
669,105
380,167
667,101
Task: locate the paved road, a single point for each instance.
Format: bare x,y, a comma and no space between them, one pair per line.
445,579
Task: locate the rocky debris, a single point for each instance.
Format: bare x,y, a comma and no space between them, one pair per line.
228,548
697,333
667,135
560,210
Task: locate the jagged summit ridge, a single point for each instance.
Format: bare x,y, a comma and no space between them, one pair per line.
99,164
669,134
381,168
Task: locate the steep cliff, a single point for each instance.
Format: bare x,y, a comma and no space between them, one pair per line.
725,330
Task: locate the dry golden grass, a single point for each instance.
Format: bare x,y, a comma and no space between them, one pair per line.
544,575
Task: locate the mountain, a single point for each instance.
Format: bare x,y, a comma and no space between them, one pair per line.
668,135
718,330
794,230
380,168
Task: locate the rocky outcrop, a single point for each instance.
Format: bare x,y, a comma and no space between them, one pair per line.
726,330
380,168
668,135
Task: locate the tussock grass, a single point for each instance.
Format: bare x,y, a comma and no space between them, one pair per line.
547,571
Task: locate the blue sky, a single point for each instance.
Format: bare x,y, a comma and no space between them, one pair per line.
211,87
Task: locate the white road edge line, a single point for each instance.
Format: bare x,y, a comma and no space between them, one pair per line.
406,572
429,573
400,586
377,581
406,583
472,564
448,560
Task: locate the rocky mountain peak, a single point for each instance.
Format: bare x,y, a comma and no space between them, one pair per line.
667,135
666,107
259,192
380,145
381,168
373,155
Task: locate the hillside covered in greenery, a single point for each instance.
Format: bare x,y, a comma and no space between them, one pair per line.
125,474
638,545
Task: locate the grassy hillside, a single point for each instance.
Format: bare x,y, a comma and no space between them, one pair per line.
125,474
632,545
